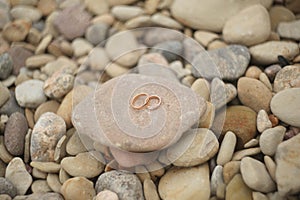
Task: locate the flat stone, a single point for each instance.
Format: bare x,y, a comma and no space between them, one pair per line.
256,176
97,33
98,59
19,56
150,190
239,155
4,12
124,12
259,196
16,31
151,39
11,106
271,167
48,106
139,21
78,188
221,94
184,183
202,16
180,71
270,139
227,148
165,21
47,6
4,154
106,195
254,94
6,187
6,66
256,28
30,93
23,2
15,132
262,121
241,120
228,63
97,7
26,11
285,103
230,169
40,186
126,185
56,65
74,145
38,61
44,137
47,167
81,47
17,174
5,94
267,53
120,2
279,13
83,164
217,184
53,182
70,16
237,189
289,30
195,147
286,77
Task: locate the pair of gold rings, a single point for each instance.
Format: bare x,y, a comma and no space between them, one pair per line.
146,103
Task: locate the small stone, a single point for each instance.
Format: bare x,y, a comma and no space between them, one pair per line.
47,6
74,145
78,188
217,184
125,185
221,94
26,11
254,94
239,155
241,120
165,21
17,174
83,164
151,39
6,66
5,94
124,13
227,148
271,71
201,87
30,93
97,33
271,167
15,132
19,56
38,174
181,72
53,182
97,7
40,186
150,190
279,14
237,189
256,27
139,21
205,37
195,147
285,103
44,137
98,59
169,49
81,47
285,77
270,139
16,31
59,84
62,62
43,44
72,21
47,167
289,30
184,183
253,72
120,2
267,53
23,2
265,80
228,63
256,176
230,169
106,195
48,106
263,122
4,154
251,143
38,61
6,187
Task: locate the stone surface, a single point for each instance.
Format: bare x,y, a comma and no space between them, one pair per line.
17,174
72,21
19,55
98,59
97,7
230,169
83,164
96,33
6,66
11,106
289,30
184,183
256,176
263,122
205,37
202,15
150,190
254,94
237,189
40,186
124,184
195,147
227,148
16,31
81,47
165,21
78,188
171,50
287,159
124,12
217,184
286,77
30,93
120,2
266,53
47,6
49,106
248,29
46,133
74,145
6,187
285,103
279,14
241,120
15,132
253,72
270,139
106,195
26,11
38,61
46,167
5,94
228,63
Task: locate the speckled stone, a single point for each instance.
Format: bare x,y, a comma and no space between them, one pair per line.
287,77
44,136
6,187
228,63
15,132
6,65
126,185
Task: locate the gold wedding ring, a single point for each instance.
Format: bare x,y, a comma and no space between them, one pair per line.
146,101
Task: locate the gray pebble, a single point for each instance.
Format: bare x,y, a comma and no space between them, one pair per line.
271,71
15,132
96,33
171,50
6,187
126,185
6,65
290,30
4,94
11,106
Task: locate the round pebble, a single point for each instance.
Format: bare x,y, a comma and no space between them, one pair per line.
106,195
96,33
48,106
270,139
16,31
227,148
78,188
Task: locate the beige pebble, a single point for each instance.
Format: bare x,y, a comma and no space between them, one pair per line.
53,182
271,166
115,70
4,154
140,21
47,6
227,148
202,88
37,61
237,189
263,122
34,36
78,188
60,149
40,186
259,196
230,169
280,14
74,145
106,195
30,117
43,44
205,37
253,72
265,80
63,176
207,119
252,143
105,18
81,47
38,173
247,152
16,31
142,173
150,190
48,167
270,139
164,21
49,106
216,44
27,146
